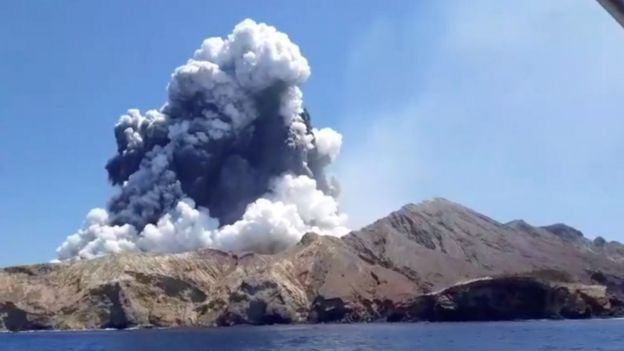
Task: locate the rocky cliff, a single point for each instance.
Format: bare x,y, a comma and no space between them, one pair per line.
432,261
510,298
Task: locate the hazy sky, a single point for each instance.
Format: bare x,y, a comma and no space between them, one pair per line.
512,108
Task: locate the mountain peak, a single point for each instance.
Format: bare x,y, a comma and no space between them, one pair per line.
564,231
519,224
448,242
436,203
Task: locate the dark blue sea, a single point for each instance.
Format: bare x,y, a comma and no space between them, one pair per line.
508,336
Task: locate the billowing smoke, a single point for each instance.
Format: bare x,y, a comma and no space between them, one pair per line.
230,161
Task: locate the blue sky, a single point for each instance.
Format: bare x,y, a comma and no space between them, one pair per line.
512,110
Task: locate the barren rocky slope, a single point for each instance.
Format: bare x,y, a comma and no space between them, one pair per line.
419,263
438,243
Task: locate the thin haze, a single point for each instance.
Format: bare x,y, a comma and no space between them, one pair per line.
512,110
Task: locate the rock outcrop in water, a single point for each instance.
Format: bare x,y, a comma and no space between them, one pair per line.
510,298
436,261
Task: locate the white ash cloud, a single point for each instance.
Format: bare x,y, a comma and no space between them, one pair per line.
230,161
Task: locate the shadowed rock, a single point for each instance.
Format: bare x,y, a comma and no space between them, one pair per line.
509,298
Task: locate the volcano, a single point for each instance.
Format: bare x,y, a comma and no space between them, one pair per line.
433,261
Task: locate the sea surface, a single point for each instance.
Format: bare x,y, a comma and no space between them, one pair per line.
506,336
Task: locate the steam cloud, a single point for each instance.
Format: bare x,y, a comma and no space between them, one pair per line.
230,161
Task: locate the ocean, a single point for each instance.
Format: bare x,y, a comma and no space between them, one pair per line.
595,335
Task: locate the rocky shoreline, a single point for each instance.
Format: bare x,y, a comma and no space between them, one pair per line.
436,261
512,298
486,299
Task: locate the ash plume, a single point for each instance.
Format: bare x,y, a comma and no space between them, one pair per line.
230,161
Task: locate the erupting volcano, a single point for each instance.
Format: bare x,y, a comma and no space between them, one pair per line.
231,161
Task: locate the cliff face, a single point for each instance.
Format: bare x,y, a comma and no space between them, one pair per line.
510,298
407,266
